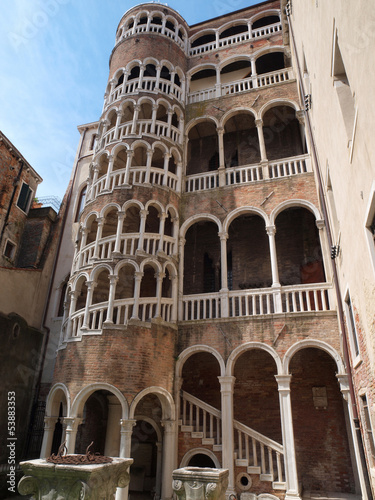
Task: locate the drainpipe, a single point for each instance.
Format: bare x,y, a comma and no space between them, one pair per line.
335,279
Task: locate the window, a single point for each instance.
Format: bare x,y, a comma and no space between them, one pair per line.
81,203
352,329
9,250
94,136
367,428
24,198
344,92
370,224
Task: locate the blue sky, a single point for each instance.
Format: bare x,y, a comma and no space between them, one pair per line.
54,68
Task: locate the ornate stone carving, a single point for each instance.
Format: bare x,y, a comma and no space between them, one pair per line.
195,483
48,481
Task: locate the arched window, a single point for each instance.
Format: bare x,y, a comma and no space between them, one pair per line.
81,203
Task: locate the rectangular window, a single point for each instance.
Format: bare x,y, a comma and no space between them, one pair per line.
351,328
24,198
9,250
369,437
93,142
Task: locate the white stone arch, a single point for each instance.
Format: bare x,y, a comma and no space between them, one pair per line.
317,344
117,74
236,111
86,392
76,279
54,399
110,111
242,211
142,13
294,203
152,262
125,103
171,19
232,59
175,151
179,71
97,269
153,13
155,203
182,28
167,64
231,24
139,416
99,156
163,102
172,210
273,103
120,147
159,145
201,119
132,203
195,349
165,398
266,13
123,263
201,67
108,208
267,50
236,353
199,451
171,267
199,218
151,60
146,99
132,64
207,31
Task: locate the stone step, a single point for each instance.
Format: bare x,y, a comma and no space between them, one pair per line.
217,447
209,441
253,470
197,435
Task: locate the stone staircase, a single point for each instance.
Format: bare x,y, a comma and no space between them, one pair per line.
254,451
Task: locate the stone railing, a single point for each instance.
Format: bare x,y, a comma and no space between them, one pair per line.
243,85
255,302
153,28
245,174
235,39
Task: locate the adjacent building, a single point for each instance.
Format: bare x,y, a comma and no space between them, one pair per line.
212,300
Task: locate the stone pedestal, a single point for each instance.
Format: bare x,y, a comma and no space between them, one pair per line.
196,483
49,481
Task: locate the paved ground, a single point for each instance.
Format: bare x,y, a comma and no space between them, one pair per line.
329,495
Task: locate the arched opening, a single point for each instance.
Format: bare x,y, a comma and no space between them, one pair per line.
127,113
81,289
299,253
157,20
235,71
148,283
120,160
165,74
152,220
172,164
161,114
265,21
101,290
248,255
132,220
201,460
166,290
170,25
203,79
80,203
270,62
202,259
58,432
112,117
134,73
110,223
203,149
140,156
103,165
319,424
234,30
145,111
241,144
203,40
168,225
158,158
92,226
124,294
100,412
142,19
146,449
282,134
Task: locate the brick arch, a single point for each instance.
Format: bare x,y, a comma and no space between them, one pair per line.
165,398
236,353
185,355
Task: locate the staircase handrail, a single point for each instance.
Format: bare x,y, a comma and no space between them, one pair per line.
202,405
259,437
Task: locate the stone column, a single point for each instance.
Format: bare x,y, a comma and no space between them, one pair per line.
169,459
218,83
162,218
159,282
124,82
137,287
120,114
181,280
254,76
158,470
271,231
99,232
179,177
143,214
226,389
224,275
94,179
72,308
111,298
109,172
173,278
288,436
135,119
120,224
90,290
49,429
142,68
167,157
154,113
263,153
112,438
126,432
148,166
85,232
129,157
326,254
72,424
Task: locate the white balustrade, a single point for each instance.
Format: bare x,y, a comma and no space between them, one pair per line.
153,28
201,182
234,39
261,301
244,85
243,175
289,166
199,417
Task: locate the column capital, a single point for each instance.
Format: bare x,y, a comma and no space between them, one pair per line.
113,279
258,122
226,383
283,382
271,230
300,115
343,380
220,130
138,275
72,423
163,216
223,235
143,213
49,423
320,223
127,425
169,426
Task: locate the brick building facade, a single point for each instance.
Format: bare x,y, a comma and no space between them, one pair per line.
199,324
